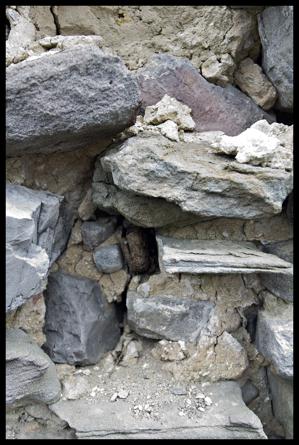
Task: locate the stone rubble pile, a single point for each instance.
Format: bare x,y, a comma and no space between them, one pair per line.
149,222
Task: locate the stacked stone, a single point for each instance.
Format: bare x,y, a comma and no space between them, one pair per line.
182,214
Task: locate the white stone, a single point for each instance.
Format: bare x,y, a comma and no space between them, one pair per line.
170,130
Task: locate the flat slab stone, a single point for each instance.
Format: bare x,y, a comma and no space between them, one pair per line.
196,179
229,419
65,100
213,256
30,374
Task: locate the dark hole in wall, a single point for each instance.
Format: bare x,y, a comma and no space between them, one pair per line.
284,118
7,28
251,317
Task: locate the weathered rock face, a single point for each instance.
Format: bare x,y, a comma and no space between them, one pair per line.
213,107
279,284
95,232
30,374
92,96
80,325
250,79
195,179
227,418
195,257
276,33
282,399
108,259
36,233
275,336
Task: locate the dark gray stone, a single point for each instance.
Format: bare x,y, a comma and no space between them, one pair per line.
171,318
108,259
30,374
96,232
36,234
282,395
213,107
68,99
249,392
279,284
80,325
276,33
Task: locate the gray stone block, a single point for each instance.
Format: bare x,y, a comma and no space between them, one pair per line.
30,374
36,234
80,325
96,232
276,33
67,100
108,259
282,394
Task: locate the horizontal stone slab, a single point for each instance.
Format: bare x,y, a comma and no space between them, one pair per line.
213,256
227,418
194,178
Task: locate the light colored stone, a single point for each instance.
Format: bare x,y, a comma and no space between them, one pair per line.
30,374
22,33
75,387
206,256
228,418
169,350
219,70
168,108
87,208
64,42
274,338
170,130
195,179
261,144
250,78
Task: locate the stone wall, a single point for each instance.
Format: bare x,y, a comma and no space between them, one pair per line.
149,221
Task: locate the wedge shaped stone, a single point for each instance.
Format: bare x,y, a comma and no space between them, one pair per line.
67,99
213,256
195,179
30,374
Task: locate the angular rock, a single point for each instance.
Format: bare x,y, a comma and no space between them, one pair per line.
30,374
219,70
249,392
252,81
282,401
108,259
261,144
36,233
279,284
170,130
206,256
274,338
228,418
168,108
213,107
96,232
93,96
167,316
198,181
276,33
80,326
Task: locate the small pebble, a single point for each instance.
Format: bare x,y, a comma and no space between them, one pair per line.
123,394
86,371
178,391
201,409
114,397
208,401
200,395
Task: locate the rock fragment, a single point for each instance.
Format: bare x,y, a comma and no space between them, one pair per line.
96,232
219,70
30,374
282,394
80,326
108,259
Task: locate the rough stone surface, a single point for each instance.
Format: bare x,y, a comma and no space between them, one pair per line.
261,144
283,405
274,338
251,80
30,374
213,107
219,70
249,392
82,106
36,233
139,250
96,232
228,418
21,35
168,108
195,179
80,326
199,256
279,284
108,259
276,33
